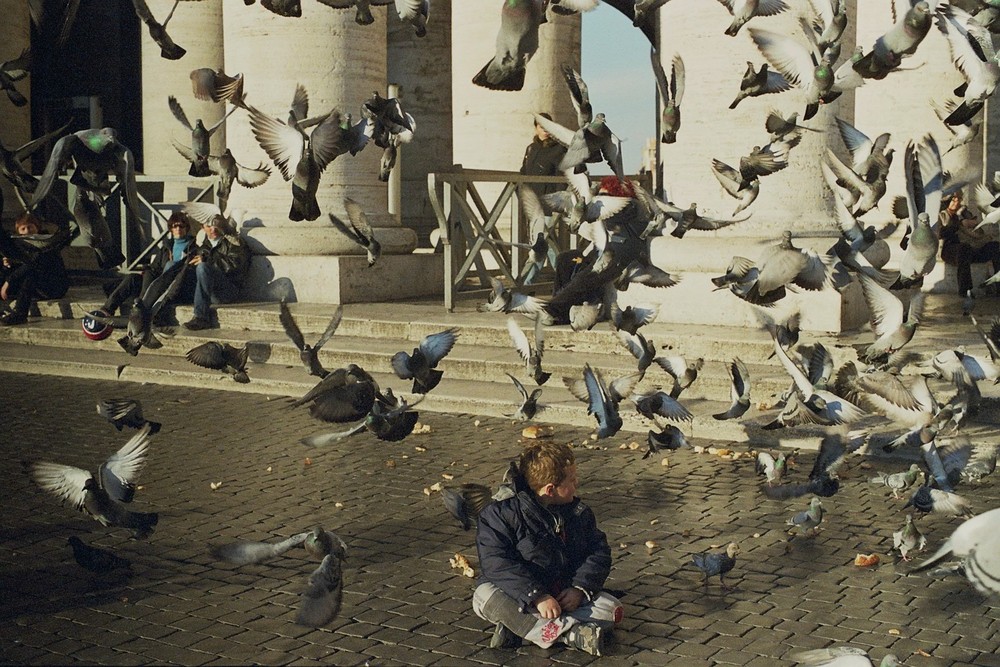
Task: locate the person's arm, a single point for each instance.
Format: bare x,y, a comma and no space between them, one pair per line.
501,563
593,571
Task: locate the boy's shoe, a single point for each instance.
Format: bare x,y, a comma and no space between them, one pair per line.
504,638
13,318
198,324
588,637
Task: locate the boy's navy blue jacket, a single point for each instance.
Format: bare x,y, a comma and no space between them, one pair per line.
527,555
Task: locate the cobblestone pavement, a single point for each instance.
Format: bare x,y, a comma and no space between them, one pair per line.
403,603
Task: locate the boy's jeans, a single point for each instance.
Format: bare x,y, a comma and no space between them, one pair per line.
493,605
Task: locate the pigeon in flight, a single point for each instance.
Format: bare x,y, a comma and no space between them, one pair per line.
902,39
102,497
532,356
346,394
12,71
222,357
739,391
197,153
158,31
217,86
301,158
96,153
422,364
516,43
466,502
359,231
309,354
842,656
123,412
669,437
671,94
762,81
975,545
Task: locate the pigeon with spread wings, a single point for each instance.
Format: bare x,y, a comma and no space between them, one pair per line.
102,495
359,231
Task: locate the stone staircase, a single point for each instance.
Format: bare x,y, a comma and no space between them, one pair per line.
474,380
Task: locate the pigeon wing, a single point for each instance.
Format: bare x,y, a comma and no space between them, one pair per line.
436,346
122,468
285,145
331,328
178,111
65,482
207,355
251,553
291,327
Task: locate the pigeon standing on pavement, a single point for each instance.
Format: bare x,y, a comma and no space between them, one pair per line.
322,599
99,561
717,563
908,539
422,364
809,520
123,412
898,481
309,354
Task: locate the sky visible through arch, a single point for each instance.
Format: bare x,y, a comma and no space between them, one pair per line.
615,65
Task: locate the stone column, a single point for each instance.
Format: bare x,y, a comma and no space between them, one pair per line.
340,64
902,103
15,129
422,69
197,27
795,198
492,128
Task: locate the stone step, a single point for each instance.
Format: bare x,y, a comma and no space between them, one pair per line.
474,360
452,395
474,380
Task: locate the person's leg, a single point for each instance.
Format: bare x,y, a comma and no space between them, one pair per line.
495,606
605,610
126,289
963,264
20,292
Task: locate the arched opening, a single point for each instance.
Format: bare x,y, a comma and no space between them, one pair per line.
615,65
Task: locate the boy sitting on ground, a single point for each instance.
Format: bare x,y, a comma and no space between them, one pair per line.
544,560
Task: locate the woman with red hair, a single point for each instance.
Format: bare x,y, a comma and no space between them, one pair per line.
33,267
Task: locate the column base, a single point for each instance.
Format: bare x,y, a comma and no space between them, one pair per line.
344,278
695,301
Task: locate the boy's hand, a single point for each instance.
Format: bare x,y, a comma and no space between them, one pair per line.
548,607
570,599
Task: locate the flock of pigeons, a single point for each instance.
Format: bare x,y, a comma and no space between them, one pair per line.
882,378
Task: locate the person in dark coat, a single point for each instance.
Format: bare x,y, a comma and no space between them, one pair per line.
32,267
541,158
962,245
221,263
176,247
544,560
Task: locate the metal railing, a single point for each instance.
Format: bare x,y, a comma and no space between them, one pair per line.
136,241
469,227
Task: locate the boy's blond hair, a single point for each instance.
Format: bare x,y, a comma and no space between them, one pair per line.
544,463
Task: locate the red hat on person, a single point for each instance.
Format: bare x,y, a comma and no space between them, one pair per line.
617,188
